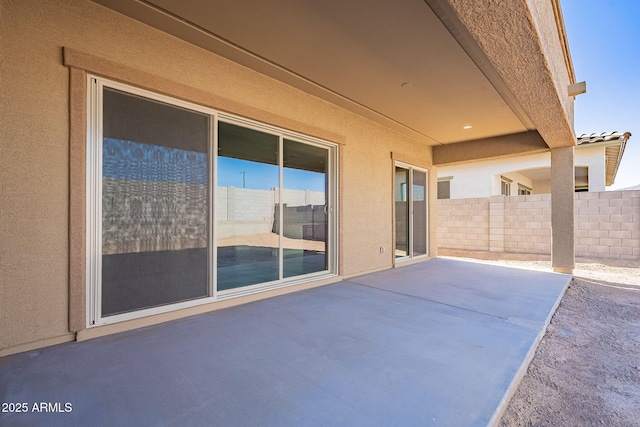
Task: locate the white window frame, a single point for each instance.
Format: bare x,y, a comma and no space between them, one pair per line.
523,190
505,183
94,318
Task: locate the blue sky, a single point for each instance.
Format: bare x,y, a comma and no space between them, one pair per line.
262,176
604,40
135,160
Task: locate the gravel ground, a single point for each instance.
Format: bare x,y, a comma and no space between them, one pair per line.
586,371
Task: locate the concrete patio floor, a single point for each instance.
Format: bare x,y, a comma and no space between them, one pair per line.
435,343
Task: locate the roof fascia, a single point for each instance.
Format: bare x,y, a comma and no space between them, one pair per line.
516,144
564,41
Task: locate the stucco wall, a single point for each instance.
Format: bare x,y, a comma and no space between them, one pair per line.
550,39
34,162
595,160
482,178
607,224
539,87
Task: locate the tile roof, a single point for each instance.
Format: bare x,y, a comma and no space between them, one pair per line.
586,138
615,143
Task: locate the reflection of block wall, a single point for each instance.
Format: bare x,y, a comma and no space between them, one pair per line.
402,226
245,204
139,216
143,216
607,224
303,222
302,197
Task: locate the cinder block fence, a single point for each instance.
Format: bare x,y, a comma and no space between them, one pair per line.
607,224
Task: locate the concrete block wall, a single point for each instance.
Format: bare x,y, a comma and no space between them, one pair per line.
607,224
527,224
464,224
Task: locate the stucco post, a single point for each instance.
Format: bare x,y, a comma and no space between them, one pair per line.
562,206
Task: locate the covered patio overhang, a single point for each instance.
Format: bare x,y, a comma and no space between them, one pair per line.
439,71
471,80
442,342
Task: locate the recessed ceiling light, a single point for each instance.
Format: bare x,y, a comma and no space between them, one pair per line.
467,127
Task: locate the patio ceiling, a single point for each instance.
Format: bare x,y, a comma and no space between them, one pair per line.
393,62
544,174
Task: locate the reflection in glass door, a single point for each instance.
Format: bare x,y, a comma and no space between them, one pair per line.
402,212
272,207
419,213
246,219
187,205
155,203
410,211
304,208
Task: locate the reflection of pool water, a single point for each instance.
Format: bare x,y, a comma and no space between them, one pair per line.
249,265
232,255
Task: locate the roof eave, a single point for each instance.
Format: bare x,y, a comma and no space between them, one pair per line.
610,179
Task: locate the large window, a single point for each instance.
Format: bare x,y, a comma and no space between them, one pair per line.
410,211
189,205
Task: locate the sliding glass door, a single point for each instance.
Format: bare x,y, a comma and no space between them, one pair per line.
186,204
402,211
304,206
248,243
272,207
418,213
155,203
411,201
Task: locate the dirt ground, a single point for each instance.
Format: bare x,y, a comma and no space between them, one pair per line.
586,371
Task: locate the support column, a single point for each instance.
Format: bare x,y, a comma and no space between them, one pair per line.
562,216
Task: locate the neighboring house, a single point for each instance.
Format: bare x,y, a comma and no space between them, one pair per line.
165,158
596,161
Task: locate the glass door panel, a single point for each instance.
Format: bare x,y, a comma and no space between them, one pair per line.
402,211
419,202
248,179
155,199
304,205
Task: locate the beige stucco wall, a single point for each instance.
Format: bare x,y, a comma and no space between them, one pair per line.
551,41
538,86
34,161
